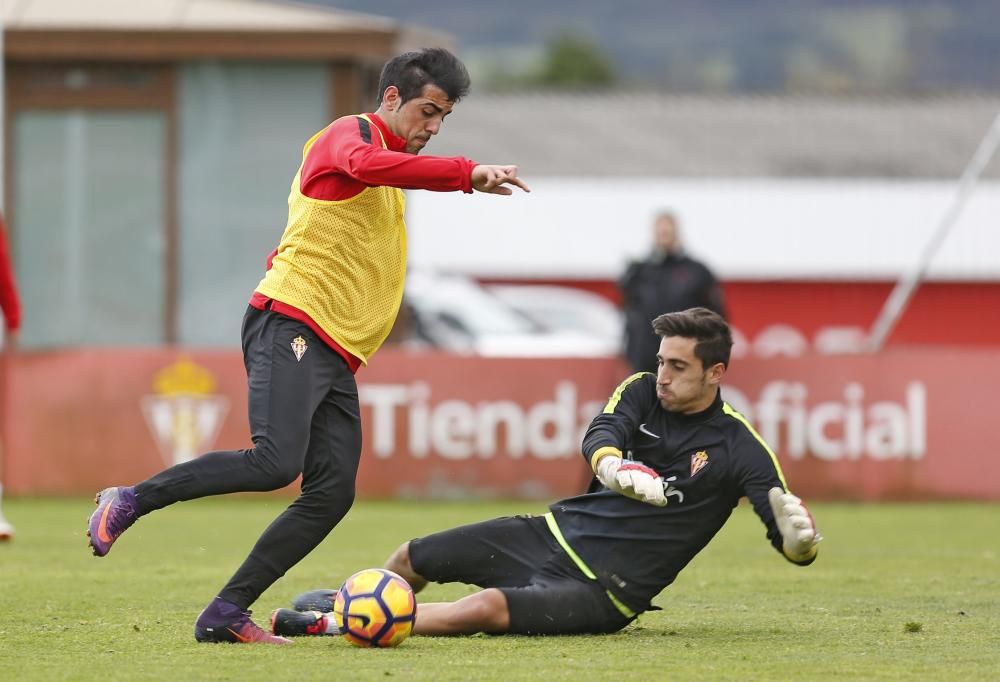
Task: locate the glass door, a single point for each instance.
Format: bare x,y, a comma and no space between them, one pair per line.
90,248
91,196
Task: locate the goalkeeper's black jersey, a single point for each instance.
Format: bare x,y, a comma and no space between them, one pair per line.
709,460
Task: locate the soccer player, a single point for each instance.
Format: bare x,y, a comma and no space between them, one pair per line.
671,461
328,300
10,304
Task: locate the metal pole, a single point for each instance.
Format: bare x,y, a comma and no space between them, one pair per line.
897,301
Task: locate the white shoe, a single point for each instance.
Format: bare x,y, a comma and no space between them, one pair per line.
6,530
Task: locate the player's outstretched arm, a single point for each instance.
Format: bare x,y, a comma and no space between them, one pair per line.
796,525
494,179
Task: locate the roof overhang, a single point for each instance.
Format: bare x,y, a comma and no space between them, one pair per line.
171,30
172,45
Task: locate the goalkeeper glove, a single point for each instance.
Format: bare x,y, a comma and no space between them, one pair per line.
631,479
798,530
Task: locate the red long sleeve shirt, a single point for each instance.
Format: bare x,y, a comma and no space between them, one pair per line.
347,158
9,300
342,163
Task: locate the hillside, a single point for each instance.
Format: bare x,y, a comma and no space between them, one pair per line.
855,46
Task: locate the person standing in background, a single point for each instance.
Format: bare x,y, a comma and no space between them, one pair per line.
11,305
666,281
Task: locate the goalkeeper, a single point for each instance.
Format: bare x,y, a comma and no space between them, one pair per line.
671,460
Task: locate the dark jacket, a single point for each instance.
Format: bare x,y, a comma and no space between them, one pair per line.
662,284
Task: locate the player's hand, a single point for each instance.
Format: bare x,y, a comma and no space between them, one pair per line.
798,530
631,479
494,179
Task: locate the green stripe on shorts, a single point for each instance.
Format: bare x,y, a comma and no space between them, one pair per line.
554,528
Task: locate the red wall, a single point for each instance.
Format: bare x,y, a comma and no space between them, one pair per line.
954,313
905,424
939,312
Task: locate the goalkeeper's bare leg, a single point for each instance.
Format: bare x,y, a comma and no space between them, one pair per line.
484,611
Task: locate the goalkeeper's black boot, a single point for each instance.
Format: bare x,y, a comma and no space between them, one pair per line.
290,623
316,600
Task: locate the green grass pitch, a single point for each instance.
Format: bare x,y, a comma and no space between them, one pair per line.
899,591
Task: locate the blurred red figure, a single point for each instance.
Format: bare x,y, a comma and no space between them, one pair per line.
11,305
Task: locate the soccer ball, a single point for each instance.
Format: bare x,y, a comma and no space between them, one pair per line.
375,608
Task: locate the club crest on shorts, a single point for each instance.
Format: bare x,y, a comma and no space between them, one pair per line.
698,461
299,347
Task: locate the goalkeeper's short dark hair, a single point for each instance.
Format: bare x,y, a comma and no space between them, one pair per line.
713,339
411,71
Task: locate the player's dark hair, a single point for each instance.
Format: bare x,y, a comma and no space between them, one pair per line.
411,71
713,340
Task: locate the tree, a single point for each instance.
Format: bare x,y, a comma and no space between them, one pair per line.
574,62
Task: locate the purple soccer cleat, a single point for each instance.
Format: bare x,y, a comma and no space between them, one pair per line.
114,514
222,621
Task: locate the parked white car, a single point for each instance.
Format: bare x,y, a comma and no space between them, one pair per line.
565,308
457,314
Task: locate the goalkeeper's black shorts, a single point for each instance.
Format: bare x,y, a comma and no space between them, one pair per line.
547,594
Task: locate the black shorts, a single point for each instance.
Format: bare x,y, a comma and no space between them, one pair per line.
547,594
